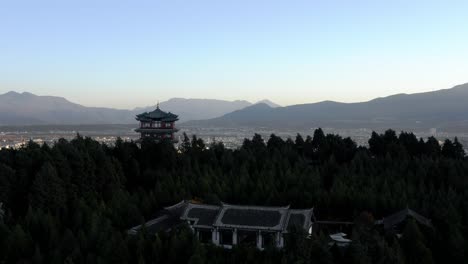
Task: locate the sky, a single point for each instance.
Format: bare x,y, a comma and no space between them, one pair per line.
126,54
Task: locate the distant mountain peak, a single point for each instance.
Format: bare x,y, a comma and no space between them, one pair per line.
10,93
269,103
17,95
329,102
259,105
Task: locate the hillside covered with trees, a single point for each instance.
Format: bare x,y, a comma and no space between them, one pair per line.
73,202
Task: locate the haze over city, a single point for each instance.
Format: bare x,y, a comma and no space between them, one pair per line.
129,54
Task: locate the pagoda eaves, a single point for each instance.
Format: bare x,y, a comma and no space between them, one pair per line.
157,125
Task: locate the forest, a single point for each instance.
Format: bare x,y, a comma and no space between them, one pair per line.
72,202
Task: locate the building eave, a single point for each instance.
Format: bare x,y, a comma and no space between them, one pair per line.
156,130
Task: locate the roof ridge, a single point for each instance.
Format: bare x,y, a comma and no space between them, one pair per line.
202,205
287,207
175,205
302,209
218,215
284,226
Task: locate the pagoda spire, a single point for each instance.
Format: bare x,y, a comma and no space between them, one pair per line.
157,105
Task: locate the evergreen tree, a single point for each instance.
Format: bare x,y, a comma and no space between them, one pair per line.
48,191
72,202
414,246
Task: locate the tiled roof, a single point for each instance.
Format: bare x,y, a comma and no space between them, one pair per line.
394,219
157,115
265,218
300,219
252,217
202,215
296,220
177,209
162,223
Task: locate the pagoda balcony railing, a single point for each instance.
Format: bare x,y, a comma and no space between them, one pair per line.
157,129
160,127
156,126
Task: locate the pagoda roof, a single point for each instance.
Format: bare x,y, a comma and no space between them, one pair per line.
157,115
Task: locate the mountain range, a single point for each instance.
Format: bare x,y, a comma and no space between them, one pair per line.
29,109
437,109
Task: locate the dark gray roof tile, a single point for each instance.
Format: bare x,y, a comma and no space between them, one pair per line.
251,217
157,115
396,218
296,221
277,219
203,216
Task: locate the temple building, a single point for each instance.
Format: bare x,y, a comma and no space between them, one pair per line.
395,223
228,225
157,125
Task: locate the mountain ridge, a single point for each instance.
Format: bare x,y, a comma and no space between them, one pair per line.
29,109
428,109
433,109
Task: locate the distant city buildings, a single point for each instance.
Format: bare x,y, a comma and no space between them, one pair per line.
231,137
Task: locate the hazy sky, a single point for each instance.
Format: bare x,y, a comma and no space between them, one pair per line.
133,53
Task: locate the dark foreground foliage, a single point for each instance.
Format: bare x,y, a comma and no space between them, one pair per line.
72,203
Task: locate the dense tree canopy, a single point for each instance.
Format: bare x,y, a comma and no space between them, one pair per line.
73,202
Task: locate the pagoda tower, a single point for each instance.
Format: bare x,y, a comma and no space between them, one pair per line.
157,125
